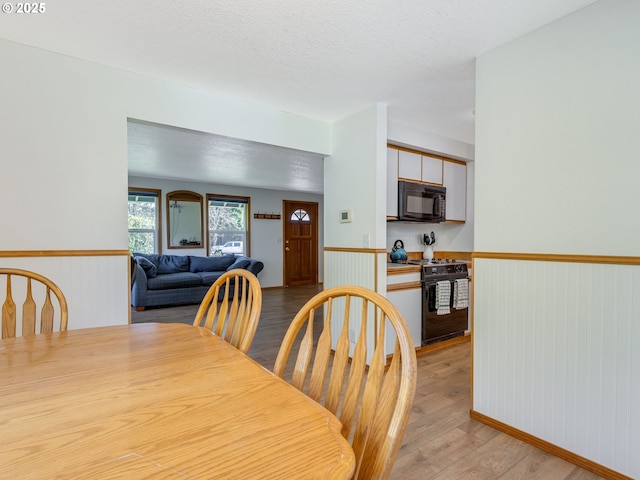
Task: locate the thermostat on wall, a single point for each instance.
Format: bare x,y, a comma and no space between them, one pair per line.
345,216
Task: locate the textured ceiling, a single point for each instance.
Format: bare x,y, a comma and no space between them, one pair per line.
169,152
320,58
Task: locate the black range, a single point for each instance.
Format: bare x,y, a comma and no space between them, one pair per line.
448,318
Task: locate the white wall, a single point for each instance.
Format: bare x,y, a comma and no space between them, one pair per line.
557,144
412,137
355,179
354,174
556,172
64,154
266,235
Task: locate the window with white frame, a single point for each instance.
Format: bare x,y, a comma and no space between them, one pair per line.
228,225
144,220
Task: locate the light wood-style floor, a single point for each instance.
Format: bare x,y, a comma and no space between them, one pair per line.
441,441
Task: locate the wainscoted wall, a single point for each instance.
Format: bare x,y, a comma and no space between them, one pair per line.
344,266
557,353
95,283
362,267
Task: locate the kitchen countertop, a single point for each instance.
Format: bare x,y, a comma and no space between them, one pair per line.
396,267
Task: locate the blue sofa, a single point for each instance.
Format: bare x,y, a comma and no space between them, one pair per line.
162,280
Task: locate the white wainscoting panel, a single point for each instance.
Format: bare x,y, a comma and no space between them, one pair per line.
349,268
557,354
353,268
96,287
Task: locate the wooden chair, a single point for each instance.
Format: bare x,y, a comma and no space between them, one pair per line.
232,306
371,395
41,290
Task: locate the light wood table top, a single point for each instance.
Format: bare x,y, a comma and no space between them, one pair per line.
154,400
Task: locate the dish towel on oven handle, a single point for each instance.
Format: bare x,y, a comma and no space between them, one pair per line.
461,293
443,297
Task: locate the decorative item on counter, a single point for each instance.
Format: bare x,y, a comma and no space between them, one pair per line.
429,241
398,253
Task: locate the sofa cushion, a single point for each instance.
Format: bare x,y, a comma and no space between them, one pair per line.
172,264
174,280
210,264
209,277
147,265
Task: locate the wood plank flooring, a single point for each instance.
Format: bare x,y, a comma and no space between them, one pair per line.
441,441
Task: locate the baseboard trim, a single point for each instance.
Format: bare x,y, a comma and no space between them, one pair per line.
280,287
444,344
560,452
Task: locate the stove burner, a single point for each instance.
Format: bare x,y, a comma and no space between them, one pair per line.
435,261
441,267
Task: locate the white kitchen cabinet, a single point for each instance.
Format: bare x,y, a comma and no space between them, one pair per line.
392,183
404,290
431,169
409,165
455,180
419,168
409,304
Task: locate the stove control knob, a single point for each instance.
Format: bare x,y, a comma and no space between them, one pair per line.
458,268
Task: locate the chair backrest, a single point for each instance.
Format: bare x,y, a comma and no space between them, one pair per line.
232,306
33,286
344,367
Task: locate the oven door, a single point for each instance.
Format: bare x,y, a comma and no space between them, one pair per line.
436,328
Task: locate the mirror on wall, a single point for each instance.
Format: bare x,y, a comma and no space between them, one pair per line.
184,219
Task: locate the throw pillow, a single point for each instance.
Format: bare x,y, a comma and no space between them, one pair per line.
149,268
239,263
173,263
152,257
210,264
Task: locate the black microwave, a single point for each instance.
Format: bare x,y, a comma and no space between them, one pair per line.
418,202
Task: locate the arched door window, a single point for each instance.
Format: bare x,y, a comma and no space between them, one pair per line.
300,215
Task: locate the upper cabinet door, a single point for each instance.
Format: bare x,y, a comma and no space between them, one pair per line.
455,180
392,183
409,165
431,169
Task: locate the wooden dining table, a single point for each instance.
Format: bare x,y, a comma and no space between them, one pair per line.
152,400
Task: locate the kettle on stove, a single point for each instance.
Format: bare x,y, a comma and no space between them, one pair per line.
398,253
